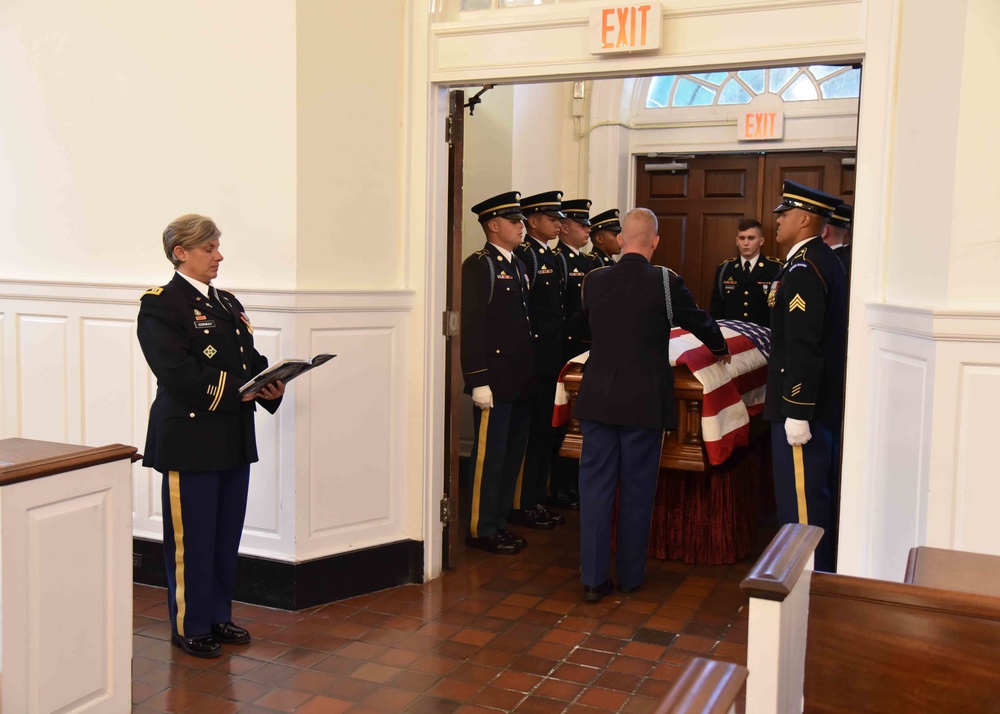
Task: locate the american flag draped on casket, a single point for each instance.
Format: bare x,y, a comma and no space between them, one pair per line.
732,393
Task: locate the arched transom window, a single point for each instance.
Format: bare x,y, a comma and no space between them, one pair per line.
791,84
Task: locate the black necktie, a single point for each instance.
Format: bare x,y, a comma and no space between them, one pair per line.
746,267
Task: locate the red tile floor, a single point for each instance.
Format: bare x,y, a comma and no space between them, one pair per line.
497,633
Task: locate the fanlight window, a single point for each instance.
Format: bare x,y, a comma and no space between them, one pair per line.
792,84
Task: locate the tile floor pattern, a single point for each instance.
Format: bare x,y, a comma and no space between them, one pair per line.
497,633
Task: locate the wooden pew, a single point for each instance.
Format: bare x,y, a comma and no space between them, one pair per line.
820,642
705,687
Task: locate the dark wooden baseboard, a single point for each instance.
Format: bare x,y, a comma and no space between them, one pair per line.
294,586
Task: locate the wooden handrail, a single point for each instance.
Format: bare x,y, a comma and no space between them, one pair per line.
778,569
25,459
906,595
705,687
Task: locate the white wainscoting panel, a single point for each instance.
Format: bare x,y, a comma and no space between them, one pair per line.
977,488
331,475
898,508
108,354
356,491
264,502
43,362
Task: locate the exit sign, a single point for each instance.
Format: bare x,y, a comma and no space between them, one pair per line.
625,28
761,126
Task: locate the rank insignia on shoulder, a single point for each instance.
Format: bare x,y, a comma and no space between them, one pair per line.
482,252
797,303
152,291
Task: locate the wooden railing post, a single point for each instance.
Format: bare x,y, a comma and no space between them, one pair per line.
778,586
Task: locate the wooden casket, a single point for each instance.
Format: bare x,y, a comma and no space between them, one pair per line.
709,497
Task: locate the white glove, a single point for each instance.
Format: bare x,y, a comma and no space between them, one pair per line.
797,431
482,397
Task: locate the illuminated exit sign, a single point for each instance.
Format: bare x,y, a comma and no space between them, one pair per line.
761,126
625,28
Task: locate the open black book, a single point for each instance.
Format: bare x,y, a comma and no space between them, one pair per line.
286,370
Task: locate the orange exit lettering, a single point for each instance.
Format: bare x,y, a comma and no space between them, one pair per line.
759,125
627,25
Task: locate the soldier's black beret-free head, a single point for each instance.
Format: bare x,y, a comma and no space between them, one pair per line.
795,195
549,203
503,205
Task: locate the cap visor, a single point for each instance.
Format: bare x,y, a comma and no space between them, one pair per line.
555,214
782,207
516,216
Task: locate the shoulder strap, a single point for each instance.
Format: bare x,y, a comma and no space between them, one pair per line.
493,278
666,293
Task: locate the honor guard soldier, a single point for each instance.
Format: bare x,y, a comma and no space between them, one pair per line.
574,234
626,400
543,214
805,381
198,343
604,230
836,232
498,366
742,283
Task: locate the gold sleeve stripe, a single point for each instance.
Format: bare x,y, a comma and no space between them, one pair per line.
804,404
218,395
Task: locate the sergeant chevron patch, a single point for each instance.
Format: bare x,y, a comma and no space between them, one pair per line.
797,303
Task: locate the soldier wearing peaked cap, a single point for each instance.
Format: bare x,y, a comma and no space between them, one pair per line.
543,214
498,366
805,381
742,283
836,232
198,342
604,230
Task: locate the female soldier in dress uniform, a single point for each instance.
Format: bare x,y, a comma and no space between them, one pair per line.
198,342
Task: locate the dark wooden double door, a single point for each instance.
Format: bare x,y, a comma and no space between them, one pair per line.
699,209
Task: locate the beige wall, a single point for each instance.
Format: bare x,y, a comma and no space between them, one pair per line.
488,157
547,154
117,117
351,163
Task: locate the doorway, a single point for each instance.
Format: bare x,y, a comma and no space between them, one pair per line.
700,200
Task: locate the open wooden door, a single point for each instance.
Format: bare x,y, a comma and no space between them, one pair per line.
452,540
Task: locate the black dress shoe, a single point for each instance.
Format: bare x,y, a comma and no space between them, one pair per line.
229,634
548,515
594,594
626,589
531,518
564,500
199,646
520,541
493,543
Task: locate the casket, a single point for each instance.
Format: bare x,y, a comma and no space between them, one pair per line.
715,471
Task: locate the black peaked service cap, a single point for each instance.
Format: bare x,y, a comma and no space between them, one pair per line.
504,205
607,221
795,195
578,209
549,203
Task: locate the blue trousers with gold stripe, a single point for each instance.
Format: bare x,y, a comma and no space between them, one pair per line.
203,514
806,482
499,439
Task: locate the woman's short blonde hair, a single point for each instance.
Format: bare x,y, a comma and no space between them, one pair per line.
188,232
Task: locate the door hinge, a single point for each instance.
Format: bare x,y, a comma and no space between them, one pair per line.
448,124
448,513
449,323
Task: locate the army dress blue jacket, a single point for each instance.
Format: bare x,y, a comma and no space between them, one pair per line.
736,296
201,352
496,332
545,305
805,378
628,380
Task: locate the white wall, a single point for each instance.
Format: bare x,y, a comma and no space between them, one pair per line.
547,155
118,117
